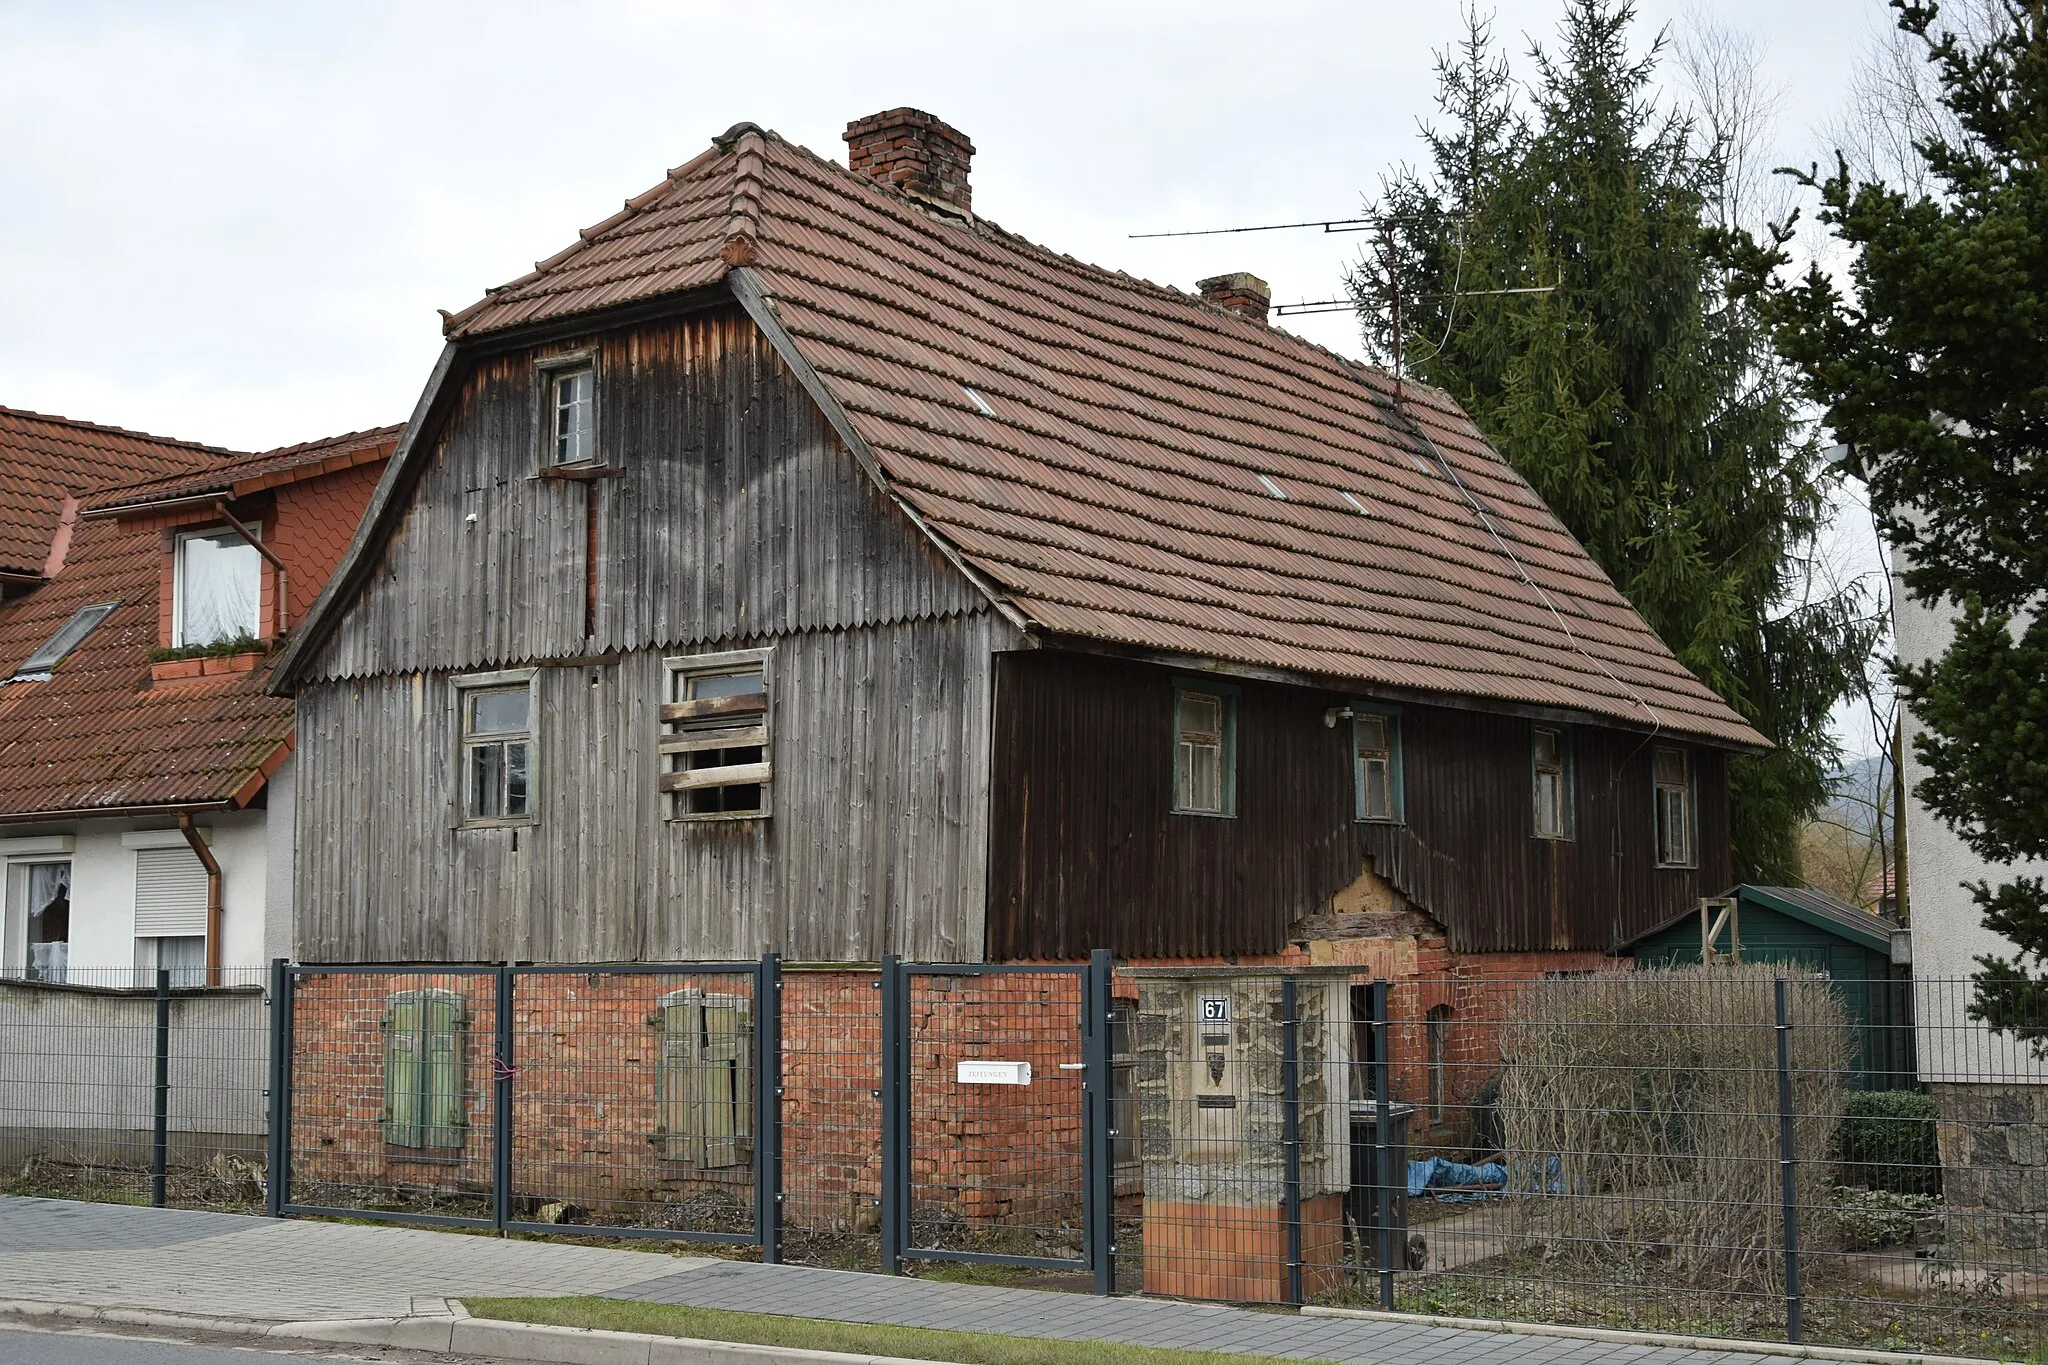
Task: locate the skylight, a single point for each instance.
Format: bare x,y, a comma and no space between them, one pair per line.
68,636
1273,488
979,401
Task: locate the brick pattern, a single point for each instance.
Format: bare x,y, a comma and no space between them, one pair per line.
1239,1255
908,149
1241,292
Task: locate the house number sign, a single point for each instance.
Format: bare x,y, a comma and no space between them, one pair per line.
1215,1009
992,1073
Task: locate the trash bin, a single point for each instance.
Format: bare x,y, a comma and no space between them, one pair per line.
1361,1205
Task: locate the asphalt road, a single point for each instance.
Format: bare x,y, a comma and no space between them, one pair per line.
22,1346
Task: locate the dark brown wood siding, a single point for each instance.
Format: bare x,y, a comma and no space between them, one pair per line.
1086,853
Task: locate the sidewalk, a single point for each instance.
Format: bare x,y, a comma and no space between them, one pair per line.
263,1272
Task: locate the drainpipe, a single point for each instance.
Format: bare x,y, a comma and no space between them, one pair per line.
283,579
213,894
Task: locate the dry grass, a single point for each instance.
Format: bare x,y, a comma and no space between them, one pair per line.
1640,1110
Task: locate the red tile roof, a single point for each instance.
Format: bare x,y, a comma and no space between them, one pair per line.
246,474
45,459
97,734
1142,468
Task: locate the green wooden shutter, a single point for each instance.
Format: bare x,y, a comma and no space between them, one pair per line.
679,1016
443,1103
704,1079
402,1070
727,1086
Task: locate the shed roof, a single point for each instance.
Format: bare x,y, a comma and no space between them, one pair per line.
1123,463
45,459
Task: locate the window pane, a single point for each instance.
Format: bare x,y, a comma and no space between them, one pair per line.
219,588
515,779
701,686
486,781
1547,747
1372,735
573,427
1201,718
1201,777
1549,804
499,712
1671,766
1377,798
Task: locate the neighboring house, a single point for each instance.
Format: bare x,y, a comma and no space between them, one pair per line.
145,814
1987,1083
799,562
1869,957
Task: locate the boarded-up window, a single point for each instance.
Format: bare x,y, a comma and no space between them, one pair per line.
716,746
1376,769
1674,808
1204,751
1552,775
704,1079
424,1103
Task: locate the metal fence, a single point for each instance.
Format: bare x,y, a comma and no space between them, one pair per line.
1742,1151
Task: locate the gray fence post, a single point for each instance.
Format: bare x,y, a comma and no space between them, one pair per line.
273,1187
895,1137
1290,1128
160,1132
1383,1147
1788,1166
768,1108
1098,1217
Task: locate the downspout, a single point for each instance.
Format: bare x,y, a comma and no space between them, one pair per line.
213,894
283,578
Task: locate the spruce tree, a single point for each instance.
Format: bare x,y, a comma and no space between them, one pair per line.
1639,396
1933,365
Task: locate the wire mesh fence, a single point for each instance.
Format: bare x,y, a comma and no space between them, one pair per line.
119,1084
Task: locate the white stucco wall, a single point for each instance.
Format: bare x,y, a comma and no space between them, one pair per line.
1948,935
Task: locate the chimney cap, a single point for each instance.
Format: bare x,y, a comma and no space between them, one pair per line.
1240,291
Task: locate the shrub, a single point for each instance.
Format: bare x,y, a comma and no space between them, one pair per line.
1640,1111
1888,1141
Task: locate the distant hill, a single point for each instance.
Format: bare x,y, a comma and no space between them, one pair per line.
1859,786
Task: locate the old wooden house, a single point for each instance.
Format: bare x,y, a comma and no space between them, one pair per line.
799,561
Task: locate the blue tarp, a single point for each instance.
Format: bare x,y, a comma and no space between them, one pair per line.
1456,1179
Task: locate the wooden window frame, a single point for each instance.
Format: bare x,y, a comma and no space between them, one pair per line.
504,680
1226,747
548,372
704,1079
421,1134
1567,782
1397,775
183,536
686,730
1687,793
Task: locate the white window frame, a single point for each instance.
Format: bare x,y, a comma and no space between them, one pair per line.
1566,783
178,640
15,856
683,734
1226,698
1397,775
550,371
1687,794
505,680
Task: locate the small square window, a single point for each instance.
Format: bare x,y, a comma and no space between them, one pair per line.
573,408
497,753
716,746
1204,750
1676,814
1376,767
1550,761
218,591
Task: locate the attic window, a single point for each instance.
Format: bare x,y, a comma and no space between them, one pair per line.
1356,505
68,637
979,401
1273,488
716,749
219,589
567,424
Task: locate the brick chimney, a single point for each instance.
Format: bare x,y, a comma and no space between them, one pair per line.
1240,292
912,151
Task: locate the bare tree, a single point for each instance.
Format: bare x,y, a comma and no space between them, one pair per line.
1735,117
1894,101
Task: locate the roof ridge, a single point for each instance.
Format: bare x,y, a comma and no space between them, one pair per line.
117,431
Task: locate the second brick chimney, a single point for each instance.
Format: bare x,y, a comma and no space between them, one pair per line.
913,151
1240,292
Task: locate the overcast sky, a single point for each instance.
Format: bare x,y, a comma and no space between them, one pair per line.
233,222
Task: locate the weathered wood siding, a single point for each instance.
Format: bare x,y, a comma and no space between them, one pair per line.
738,513
739,521
876,844
1086,852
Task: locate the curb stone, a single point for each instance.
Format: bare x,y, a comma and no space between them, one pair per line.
1716,1344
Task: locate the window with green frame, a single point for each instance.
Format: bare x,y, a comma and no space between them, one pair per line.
1376,774
1204,748
704,1079
424,1103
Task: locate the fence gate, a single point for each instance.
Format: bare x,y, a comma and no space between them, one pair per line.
996,1104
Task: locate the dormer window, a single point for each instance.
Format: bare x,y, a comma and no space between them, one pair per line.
574,409
218,591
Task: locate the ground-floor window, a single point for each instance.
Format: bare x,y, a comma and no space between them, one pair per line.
39,912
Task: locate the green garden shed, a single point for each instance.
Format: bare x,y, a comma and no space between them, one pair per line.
1867,955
